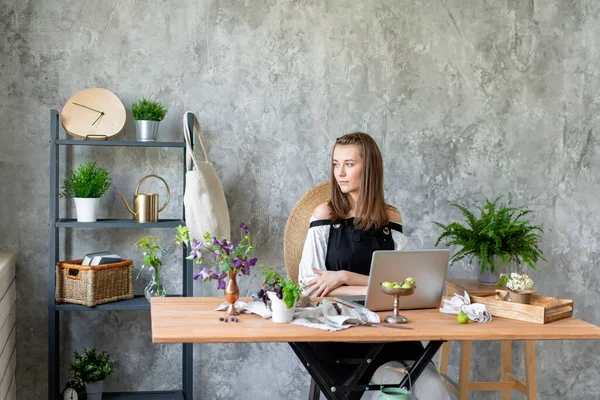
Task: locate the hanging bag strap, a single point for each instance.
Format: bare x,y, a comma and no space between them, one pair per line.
187,135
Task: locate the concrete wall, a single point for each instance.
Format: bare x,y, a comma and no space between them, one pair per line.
467,100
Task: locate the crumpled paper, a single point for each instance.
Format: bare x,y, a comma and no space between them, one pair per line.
475,311
322,315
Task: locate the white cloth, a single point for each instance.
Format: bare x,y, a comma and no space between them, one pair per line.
315,250
321,315
476,311
429,386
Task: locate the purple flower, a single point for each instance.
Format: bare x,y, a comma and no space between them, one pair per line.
203,274
244,228
239,261
196,247
216,241
252,262
221,279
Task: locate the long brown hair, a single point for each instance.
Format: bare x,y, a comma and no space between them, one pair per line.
371,209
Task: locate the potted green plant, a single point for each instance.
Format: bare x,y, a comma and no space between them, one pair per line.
497,237
151,250
282,293
147,114
86,185
92,367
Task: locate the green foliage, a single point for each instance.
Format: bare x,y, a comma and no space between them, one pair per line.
500,230
284,288
87,181
92,366
151,250
148,110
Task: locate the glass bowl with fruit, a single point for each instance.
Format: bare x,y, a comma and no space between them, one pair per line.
406,288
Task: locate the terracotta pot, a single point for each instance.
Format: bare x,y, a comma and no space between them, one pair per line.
232,293
522,298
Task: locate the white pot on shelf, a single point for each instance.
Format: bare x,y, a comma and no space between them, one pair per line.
94,390
281,314
87,209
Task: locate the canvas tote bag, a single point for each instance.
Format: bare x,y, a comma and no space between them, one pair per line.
204,200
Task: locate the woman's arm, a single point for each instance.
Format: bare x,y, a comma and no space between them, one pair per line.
348,291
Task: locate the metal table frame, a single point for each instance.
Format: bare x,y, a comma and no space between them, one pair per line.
334,391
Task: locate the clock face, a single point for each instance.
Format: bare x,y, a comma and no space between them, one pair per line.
94,111
70,394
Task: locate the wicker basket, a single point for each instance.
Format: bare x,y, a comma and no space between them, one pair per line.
93,285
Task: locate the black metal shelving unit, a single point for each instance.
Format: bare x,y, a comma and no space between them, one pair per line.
138,302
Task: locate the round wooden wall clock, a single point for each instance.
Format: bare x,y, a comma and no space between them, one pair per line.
93,113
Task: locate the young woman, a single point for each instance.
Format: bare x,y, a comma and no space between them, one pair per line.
336,259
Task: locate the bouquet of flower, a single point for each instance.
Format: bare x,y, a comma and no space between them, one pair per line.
516,283
227,257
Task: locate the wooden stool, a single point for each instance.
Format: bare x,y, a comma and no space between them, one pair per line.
508,381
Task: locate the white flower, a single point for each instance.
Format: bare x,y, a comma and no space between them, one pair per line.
519,282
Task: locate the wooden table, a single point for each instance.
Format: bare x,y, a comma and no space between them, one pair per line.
193,320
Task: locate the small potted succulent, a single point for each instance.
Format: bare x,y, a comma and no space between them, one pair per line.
520,287
282,293
151,250
147,115
92,367
497,237
86,185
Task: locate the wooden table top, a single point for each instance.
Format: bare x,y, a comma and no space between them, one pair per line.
193,320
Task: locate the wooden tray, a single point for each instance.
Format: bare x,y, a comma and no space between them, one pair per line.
542,309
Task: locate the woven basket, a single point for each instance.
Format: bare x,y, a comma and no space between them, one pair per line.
93,285
297,226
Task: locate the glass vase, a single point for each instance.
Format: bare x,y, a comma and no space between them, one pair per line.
154,288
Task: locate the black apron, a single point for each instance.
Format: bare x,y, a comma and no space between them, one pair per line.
351,249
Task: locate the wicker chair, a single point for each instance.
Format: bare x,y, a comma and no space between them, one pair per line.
294,236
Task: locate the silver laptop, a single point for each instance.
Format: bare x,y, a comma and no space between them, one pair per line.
428,267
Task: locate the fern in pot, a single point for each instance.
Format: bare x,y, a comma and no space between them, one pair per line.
86,185
147,114
499,236
92,367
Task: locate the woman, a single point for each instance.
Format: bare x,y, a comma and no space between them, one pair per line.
336,259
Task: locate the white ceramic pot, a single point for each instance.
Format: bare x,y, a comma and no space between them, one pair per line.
94,390
87,209
281,314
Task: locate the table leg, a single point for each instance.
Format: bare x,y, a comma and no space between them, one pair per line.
418,367
444,358
530,373
506,366
466,349
314,392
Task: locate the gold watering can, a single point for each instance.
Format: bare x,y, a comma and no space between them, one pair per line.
146,204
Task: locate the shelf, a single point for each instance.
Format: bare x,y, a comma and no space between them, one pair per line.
165,395
118,223
120,143
139,302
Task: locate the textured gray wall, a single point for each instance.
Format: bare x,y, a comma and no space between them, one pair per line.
467,99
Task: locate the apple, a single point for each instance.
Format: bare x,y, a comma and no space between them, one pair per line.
412,280
387,284
396,286
462,318
406,285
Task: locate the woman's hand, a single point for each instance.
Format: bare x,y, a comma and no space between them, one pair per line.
325,283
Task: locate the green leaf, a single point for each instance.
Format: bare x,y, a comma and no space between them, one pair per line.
148,110
87,181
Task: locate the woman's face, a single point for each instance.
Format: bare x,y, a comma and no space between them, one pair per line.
347,167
